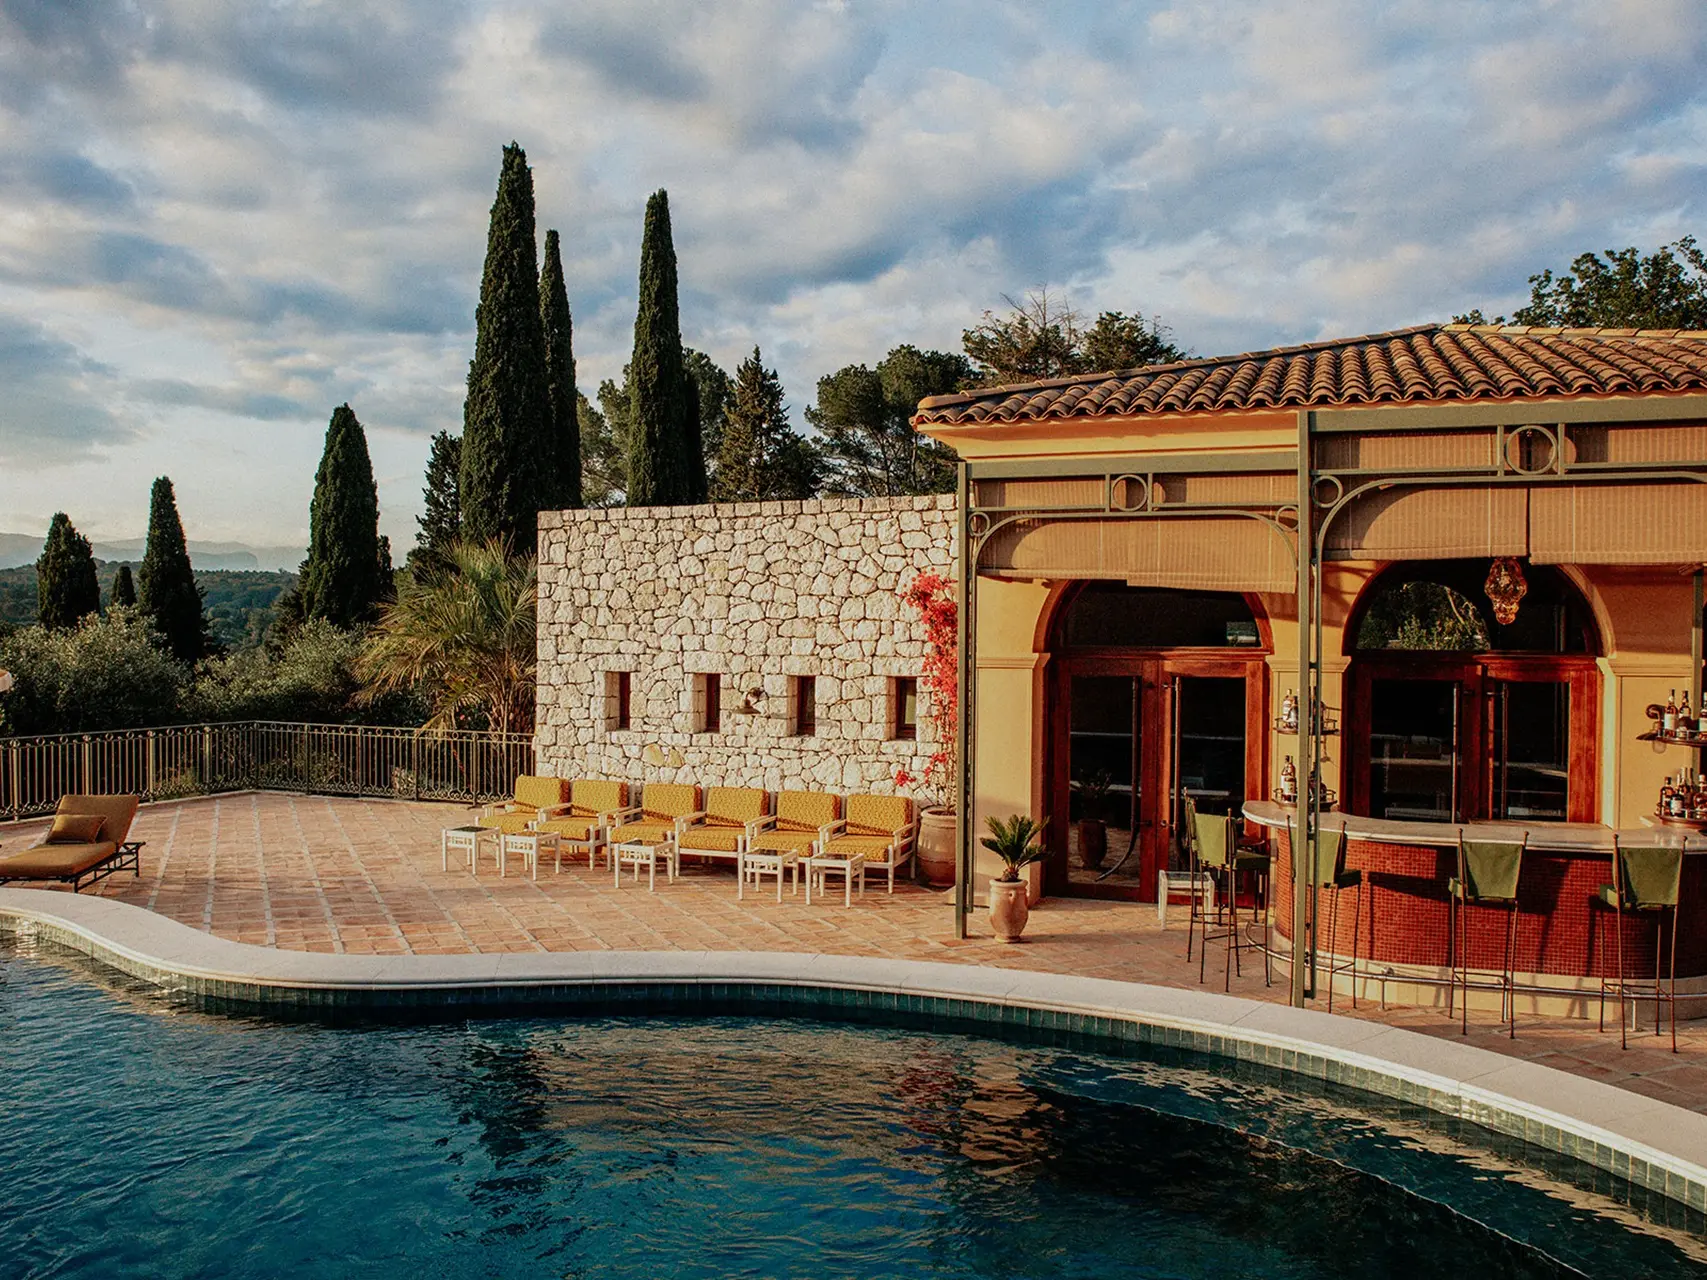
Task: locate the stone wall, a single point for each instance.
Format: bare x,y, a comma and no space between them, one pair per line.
757,593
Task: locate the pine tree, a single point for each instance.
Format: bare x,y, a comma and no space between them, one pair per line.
507,415
167,590
762,457
561,488
441,522
66,589
666,461
341,577
863,418
124,588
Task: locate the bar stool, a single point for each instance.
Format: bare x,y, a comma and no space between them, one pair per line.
1644,879
1327,871
1488,875
1216,852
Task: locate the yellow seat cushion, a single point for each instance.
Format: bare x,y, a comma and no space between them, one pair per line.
511,824
872,847
535,792
592,796
734,805
806,810
643,832
667,801
719,839
783,841
878,815
569,828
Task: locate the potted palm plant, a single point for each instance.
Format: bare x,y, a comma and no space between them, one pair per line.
1013,840
1091,827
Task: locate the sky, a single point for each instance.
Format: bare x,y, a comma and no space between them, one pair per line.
219,221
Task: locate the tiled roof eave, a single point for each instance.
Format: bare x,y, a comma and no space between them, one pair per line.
1428,365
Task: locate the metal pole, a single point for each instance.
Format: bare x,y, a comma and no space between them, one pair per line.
1307,721
964,604
1695,653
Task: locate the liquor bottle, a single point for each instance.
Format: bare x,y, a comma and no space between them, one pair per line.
1668,794
1701,719
1685,717
1677,798
1668,717
1289,781
1289,712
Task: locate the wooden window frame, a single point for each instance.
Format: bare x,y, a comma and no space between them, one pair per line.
901,730
805,706
1478,676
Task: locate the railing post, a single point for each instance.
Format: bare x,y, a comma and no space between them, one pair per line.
88,753
415,761
150,768
12,754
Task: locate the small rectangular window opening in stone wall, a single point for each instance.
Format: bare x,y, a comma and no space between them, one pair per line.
617,700
803,706
707,702
904,708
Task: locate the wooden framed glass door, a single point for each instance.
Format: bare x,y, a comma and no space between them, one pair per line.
1135,736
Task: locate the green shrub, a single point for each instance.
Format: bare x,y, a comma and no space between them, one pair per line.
104,673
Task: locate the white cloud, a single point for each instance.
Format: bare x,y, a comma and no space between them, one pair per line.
217,222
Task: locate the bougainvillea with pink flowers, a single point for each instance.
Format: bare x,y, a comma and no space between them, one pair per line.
931,596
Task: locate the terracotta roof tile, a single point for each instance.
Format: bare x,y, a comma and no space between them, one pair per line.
1427,363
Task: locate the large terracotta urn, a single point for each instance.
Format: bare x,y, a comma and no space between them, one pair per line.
1093,843
1008,909
936,846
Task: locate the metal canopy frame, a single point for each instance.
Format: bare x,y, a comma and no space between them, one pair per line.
1323,495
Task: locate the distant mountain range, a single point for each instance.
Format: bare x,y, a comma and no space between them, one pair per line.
25,548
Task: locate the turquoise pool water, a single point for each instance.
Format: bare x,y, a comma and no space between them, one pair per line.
139,1138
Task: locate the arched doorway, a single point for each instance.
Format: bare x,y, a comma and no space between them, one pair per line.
1452,716
1155,694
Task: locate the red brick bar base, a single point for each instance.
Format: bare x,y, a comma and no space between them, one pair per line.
1561,940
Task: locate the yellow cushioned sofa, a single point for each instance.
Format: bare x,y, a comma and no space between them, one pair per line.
533,793
586,820
719,830
880,827
654,820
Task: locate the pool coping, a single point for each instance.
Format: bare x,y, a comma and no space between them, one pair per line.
1651,1144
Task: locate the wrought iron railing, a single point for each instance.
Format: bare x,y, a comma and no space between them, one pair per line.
260,755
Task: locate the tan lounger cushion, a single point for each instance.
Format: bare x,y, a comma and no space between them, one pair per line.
50,861
118,810
76,828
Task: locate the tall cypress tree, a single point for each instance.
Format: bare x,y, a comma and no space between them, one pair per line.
167,589
124,588
507,416
562,487
666,465
441,521
66,589
341,577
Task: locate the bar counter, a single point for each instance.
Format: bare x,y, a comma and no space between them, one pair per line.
1403,919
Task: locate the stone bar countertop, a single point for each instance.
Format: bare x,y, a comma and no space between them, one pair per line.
1562,837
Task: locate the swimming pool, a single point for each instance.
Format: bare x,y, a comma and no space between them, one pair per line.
143,1138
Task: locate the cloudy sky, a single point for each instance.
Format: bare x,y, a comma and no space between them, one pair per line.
219,220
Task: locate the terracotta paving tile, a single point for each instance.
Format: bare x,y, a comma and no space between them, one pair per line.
312,873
